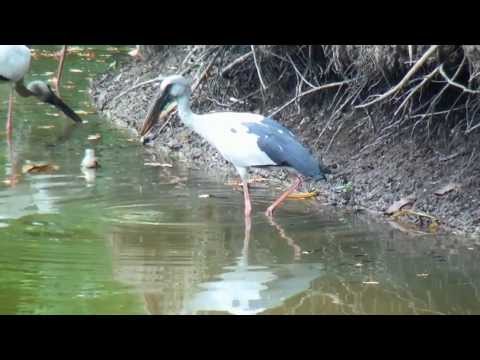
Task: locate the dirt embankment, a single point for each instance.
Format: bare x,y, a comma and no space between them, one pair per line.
394,123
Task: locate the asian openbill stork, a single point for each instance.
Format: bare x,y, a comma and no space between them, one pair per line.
244,139
14,64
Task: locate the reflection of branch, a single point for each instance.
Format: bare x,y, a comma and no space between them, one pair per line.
297,250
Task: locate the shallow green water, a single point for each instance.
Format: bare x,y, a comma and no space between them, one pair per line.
138,239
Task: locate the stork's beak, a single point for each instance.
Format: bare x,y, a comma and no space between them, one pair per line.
54,100
153,113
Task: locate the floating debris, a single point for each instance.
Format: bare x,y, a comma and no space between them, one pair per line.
423,275
303,195
433,225
158,164
94,137
46,127
204,196
370,282
39,168
83,112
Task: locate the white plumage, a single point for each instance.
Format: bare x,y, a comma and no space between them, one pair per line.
14,61
231,137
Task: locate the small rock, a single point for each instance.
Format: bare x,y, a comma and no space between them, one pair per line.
447,188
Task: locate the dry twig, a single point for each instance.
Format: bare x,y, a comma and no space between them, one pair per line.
405,79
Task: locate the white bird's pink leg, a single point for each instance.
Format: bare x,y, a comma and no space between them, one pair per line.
10,115
246,195
58,78
282,197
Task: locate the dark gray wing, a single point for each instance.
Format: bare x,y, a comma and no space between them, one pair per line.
283,148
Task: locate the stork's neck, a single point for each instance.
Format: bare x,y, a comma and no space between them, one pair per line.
185,112
22,90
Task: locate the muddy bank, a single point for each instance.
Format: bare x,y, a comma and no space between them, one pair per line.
372,169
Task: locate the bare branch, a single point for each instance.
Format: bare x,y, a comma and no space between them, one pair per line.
258,68
326,86
414,90
453,83
405,79
236,62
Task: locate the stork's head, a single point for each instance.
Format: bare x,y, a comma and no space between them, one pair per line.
173,88
43,92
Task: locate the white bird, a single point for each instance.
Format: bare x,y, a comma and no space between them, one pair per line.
244,139
14,65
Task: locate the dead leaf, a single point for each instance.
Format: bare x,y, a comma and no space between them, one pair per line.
433,227
303,196
39,168
94,137
419,214
158,164
397,205
447,188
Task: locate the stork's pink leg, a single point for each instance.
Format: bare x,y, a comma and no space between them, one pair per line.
246,196
61,63
282,197
10,115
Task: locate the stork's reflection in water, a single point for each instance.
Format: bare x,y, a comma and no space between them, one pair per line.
252,289
195,280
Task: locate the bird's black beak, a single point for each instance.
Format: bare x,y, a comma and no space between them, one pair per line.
162,100
54,100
